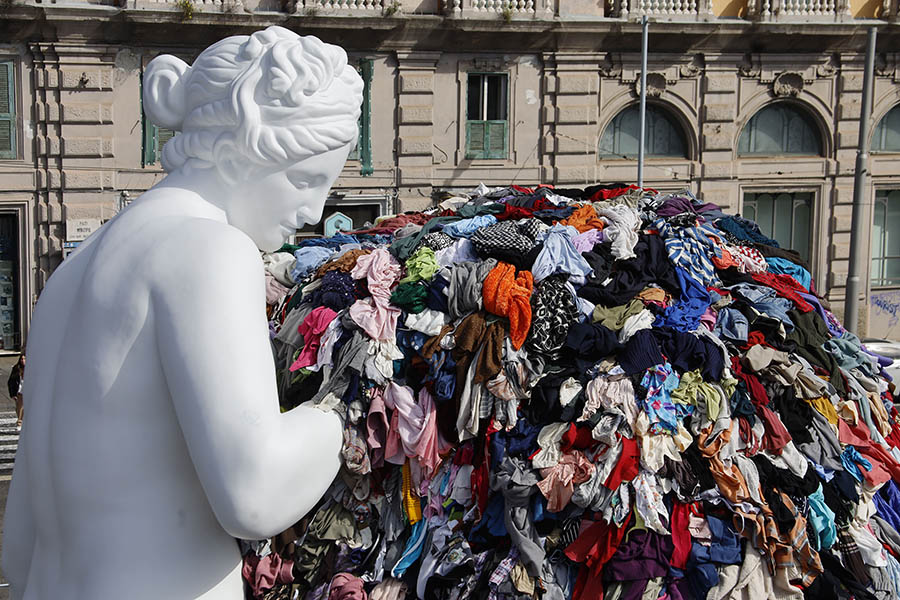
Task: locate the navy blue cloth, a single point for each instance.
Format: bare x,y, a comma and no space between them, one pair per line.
521,441
337,291
744,230
687,352
588,343
641,352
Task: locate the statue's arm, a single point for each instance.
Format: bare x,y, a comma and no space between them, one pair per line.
261,470
18,528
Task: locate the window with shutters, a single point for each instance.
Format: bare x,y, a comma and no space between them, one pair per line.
886,239
154,138
363,150
7,110
487,125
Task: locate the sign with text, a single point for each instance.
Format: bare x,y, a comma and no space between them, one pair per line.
79,229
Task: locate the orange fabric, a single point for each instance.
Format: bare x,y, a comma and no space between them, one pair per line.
584,219
509,295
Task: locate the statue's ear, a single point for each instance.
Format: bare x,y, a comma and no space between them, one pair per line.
164,91
230,163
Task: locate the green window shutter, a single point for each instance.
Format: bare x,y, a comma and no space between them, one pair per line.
365,120
363,150
7,111
495,139
475,134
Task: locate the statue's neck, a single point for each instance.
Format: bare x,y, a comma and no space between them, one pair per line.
207,192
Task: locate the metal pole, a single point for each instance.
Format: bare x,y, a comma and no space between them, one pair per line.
645,23
860,194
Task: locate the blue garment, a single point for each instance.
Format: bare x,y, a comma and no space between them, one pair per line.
725,543
745,230
560,256
887,504
732,325
414,546
767,301
685,314
466,227
308,259
664,414
852,460
822,519
521,440
786,267
691,249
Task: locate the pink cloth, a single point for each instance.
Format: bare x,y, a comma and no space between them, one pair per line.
413,432
585,242
376,315
559,481
345,586
265,573
377,428
312,328
709,318
274,290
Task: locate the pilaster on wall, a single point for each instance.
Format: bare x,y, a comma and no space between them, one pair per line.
571,87
415,127
718,114
48,165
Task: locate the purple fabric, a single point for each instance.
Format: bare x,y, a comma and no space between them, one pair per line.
643,555
677,205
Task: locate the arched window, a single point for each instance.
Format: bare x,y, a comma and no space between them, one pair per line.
665,137
887,132
780,129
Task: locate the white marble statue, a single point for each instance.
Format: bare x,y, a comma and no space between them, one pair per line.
153,432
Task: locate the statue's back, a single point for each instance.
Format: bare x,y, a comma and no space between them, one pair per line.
109,481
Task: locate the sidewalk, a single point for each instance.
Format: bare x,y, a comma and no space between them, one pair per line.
6,403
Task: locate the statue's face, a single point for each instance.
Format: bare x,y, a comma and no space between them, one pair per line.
272,206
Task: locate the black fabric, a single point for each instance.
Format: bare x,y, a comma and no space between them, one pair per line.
650,265
686,352
588,343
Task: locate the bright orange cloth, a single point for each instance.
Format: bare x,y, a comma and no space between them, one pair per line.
583,219
509,295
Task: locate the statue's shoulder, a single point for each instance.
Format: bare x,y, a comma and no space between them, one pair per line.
201,248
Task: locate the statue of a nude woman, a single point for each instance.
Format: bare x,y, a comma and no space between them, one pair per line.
153,434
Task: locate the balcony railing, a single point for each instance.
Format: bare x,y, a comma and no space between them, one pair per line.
508,9
624,9
355,7
773,10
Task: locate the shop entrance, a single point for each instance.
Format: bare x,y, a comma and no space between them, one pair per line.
10,285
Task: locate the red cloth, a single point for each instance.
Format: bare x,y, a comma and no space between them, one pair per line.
681,536
757,392
785,286
627,467
519,212
577,437
884,466
606,194
265,573
594,547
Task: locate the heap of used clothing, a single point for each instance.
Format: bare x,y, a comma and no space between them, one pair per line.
565,393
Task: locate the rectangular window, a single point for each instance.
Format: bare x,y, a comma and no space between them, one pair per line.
359,214
487,125
7,110
886,239
154,138
363,150
784,217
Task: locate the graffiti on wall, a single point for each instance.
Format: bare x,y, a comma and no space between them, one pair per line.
884,314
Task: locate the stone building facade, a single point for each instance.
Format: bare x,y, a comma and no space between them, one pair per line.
754,105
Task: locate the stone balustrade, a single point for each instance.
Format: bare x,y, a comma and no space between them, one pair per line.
624,9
